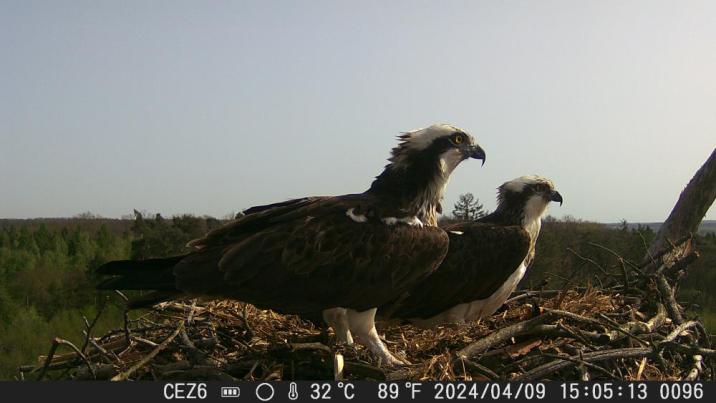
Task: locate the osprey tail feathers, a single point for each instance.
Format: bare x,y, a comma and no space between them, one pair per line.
149,274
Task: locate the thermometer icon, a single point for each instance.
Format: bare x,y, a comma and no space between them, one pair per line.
293,391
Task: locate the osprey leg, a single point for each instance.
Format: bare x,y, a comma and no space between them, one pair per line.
362,324
337,319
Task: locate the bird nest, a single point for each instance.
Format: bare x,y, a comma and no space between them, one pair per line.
630,328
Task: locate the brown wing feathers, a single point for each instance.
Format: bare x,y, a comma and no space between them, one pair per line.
479,260
302,256
329,262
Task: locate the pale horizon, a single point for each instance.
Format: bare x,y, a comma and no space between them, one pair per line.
213,107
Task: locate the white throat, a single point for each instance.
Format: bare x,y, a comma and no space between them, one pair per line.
427,203
449,160
532,221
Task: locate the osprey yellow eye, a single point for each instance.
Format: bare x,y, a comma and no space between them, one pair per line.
458,139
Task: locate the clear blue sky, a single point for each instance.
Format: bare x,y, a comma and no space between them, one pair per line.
209,107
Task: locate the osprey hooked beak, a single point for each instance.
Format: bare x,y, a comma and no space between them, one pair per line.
474,151
555,197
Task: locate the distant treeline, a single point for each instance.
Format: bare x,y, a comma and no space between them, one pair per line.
47,282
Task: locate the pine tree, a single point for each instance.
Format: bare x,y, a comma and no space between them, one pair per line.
468,208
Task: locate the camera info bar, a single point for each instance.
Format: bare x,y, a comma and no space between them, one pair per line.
359,391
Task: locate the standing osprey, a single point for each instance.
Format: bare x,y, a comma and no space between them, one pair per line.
342,255
485,262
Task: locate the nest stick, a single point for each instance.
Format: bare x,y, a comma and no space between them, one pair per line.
48,360
562,363
502,335
126,374
89,326
581,361
695,369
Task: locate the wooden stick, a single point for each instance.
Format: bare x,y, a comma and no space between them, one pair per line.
90,326
581,361
614,325
618,256
589,260
667,295
695,350
479,368
640,371
575,317
678,330
79,353
309,346
502,335
364,370
104,351
250,375
126,374
543,370
48,360
696,369
338,367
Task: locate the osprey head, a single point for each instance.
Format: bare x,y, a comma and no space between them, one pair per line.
528,195
446,143
420,166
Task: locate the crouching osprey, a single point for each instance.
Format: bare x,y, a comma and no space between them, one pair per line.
342,255
485,262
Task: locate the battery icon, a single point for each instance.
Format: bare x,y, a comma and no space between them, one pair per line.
230,391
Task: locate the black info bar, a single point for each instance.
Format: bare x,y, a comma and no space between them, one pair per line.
359,391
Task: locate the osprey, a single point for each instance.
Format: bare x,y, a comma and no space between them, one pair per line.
485,262
340,255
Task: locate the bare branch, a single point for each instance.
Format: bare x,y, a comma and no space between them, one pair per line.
693,203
